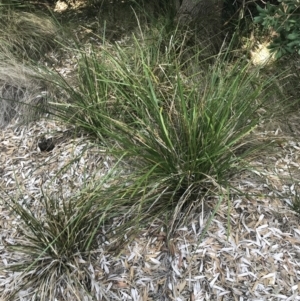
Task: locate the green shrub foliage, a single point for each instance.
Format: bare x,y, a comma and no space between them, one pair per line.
284,20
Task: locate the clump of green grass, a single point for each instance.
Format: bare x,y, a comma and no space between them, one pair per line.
181,132
56,246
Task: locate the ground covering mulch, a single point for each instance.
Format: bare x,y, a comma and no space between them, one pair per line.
251,250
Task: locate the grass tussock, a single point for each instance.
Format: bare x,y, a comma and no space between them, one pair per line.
25,39
182,133
21,96
23,93
56,246
27,35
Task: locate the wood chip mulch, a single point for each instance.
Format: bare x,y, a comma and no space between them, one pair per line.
252,253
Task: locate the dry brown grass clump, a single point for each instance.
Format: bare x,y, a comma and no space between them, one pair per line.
27,35
18,89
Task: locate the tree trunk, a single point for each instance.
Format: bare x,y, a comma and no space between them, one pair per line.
200,11
205,16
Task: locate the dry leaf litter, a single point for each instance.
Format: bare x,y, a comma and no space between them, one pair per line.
251,254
